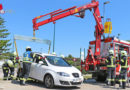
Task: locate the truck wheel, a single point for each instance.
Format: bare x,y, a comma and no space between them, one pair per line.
48,81
99,77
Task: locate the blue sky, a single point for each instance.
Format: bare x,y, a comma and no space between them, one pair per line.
71,32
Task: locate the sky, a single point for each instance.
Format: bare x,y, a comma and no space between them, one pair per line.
72,33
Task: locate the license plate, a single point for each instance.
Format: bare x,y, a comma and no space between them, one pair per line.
77,80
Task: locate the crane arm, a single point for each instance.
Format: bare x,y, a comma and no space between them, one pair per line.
58,14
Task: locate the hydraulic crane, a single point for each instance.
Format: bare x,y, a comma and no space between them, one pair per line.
99,30
94,61
59,14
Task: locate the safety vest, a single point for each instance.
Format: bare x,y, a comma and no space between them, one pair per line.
110,61
124,62
27,57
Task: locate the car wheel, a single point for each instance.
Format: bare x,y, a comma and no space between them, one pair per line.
49,82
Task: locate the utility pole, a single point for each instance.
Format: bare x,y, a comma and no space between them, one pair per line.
104,10
54,38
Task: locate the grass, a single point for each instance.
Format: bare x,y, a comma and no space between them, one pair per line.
87,76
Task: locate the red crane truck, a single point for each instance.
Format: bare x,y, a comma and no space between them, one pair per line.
95,59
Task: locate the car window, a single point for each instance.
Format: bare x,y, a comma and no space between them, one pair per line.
57,61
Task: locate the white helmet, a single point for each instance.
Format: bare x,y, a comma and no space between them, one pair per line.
111,52
28,47
15,53
62,56
123,53
53,53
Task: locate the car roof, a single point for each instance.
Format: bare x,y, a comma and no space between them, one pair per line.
44,54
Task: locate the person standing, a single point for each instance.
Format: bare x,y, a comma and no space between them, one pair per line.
111,65
124,67
27,60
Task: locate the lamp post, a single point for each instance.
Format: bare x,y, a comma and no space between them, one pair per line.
54,39
107,2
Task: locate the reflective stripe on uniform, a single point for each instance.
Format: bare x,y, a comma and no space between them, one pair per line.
120,80
5,77
24,79
124,66
108,79
124,80
28,61
122,60
39,57
7,71
112,79
5,67
112,64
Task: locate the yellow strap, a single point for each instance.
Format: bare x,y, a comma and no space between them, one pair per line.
34,55
107,61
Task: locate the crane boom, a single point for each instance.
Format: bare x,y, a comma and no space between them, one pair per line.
59,14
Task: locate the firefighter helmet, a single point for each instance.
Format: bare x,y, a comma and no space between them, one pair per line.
28,48
15,53
123,53
53,53
62,56
111,52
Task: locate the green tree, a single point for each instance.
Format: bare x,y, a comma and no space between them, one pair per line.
4,42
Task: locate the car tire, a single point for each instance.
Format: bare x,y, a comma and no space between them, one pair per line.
48,81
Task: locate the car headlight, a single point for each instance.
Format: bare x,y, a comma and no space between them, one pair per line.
63,74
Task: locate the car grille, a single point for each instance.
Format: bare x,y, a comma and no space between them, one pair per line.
75,83
64,82
76,75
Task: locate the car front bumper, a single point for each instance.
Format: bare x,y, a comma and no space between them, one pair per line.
68,81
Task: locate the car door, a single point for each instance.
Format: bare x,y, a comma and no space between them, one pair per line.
40,69
33,69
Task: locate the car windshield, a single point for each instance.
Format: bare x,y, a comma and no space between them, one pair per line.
58,61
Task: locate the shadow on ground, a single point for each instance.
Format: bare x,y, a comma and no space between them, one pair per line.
102,84
41,85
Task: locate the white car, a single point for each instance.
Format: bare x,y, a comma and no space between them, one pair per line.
55,71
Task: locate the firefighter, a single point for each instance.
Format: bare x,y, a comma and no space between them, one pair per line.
27,60
124,67
110,62
8,66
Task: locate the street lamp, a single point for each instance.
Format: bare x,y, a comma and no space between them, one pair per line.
107,2
54,39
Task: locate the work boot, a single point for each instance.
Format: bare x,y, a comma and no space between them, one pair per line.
5,78
22,82
107,83
10,78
